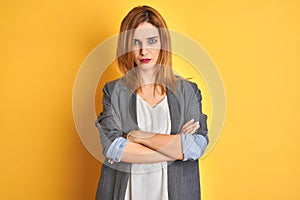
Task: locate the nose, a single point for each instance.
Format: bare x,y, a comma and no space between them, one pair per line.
144,49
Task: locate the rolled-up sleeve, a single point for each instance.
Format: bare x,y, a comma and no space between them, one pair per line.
193,146
108,124
116,149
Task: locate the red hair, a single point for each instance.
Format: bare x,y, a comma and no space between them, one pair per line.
164,74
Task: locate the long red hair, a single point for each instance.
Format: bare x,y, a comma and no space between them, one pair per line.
164,74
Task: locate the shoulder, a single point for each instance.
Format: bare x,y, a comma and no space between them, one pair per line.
184,85
116,84
188,89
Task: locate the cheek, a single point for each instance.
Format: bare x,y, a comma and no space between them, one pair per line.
155,53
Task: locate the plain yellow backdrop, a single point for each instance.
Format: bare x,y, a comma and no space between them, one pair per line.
255,45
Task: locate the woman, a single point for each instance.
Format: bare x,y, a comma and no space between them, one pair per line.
152,128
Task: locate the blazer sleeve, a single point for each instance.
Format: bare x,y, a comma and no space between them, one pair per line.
194,145
109,126
197,106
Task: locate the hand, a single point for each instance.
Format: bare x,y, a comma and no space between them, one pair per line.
132,134
137,136
190,127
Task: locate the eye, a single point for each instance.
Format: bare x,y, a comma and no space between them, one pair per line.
136,42
152,40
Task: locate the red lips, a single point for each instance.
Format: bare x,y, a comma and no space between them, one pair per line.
145,60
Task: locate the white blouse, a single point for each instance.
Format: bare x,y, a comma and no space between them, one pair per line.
150,181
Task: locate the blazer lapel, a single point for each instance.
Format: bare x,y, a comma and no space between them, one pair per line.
175,111
132,107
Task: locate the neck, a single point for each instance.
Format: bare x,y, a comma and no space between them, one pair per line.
147,76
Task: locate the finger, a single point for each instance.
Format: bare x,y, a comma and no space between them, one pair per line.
131,138
188,123
111,161
187,129
192,128
196,127
190,131
192,125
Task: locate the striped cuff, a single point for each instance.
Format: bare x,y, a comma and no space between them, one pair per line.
193,146
116,148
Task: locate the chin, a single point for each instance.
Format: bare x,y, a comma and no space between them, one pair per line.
147,66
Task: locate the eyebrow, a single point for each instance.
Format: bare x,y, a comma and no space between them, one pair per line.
153,37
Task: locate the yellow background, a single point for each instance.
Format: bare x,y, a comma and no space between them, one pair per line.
255,45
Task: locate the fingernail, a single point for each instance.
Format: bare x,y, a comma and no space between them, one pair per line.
192,120
197,122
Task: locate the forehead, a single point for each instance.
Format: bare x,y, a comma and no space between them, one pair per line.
145,30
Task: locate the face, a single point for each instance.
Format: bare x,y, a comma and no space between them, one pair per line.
146,45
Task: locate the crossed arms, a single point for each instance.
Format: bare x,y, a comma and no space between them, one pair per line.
147,147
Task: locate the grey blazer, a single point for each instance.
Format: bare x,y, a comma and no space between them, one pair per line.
119,117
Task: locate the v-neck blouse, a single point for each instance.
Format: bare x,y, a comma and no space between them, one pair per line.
150,181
